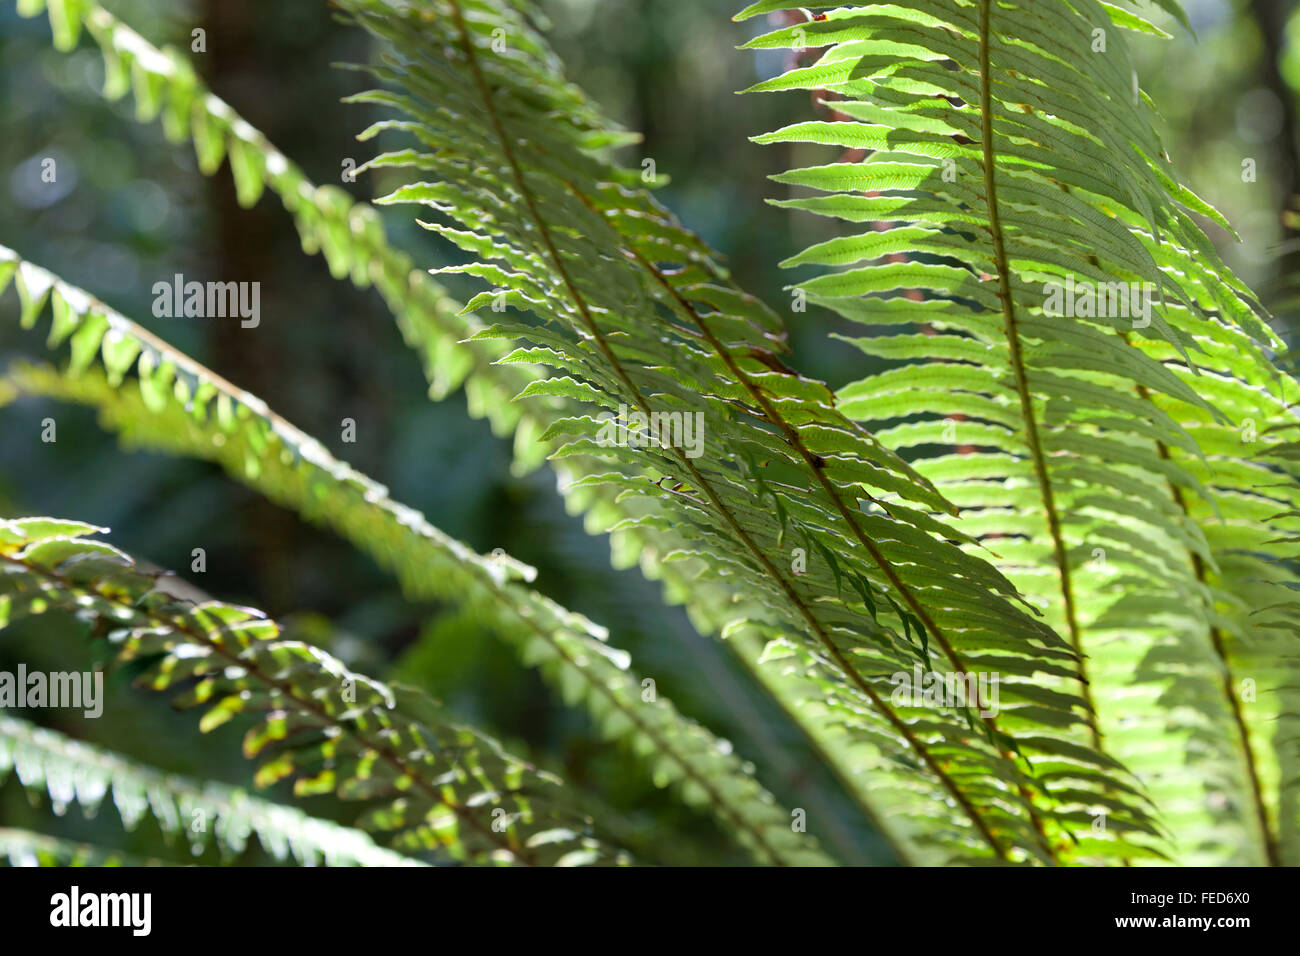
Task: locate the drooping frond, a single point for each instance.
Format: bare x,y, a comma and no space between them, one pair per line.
174,404
202,811
637,315
434,786
350,235
1093,360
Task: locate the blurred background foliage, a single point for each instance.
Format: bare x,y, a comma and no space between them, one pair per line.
128,210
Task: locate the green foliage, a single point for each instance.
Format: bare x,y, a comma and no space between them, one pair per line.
431,784
71,772
174,404
654,325
446,337
350,235
1085,518
24,848
1108,454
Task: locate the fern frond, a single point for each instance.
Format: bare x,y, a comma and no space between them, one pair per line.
1268,651
70,771
350,235
1008,153
436,786
648,322
182,408
24,848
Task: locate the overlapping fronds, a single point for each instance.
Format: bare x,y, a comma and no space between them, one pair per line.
636,315
173,404
1103,460
433,786
203,812
352,239
1028,239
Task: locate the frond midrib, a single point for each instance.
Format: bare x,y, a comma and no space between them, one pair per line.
1018,366
616,365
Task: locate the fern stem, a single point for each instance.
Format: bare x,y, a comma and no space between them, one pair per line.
816,738
843,664
1018,366
1238,718
581,304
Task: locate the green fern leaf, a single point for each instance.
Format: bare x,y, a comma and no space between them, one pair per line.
1010,162
204,812
433,785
